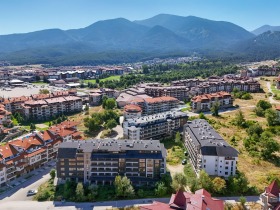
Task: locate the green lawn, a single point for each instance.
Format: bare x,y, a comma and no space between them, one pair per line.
115,77
275,90
39,83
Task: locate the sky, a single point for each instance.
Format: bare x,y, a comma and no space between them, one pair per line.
21,16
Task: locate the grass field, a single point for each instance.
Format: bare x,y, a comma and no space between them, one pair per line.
255,169
39,83
275,90
115,77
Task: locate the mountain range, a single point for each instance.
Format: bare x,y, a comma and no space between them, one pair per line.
121,40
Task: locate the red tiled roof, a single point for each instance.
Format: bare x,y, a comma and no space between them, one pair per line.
277,108
198,201
7,150
156,206
210,96
132,108
273,189
35,153
26,143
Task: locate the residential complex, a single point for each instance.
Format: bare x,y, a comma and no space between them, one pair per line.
154,126
100,161
200,200
148,106
31,151
205,102
270,198
216,84
44,106
185,89
208,150
47,108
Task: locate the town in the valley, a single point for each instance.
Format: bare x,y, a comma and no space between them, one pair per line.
86,134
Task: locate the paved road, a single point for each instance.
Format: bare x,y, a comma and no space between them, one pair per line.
27,205
20,195
19,192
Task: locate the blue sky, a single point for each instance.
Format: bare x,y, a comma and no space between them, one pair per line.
20,16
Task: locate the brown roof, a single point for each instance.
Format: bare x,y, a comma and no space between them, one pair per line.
132,108
206,97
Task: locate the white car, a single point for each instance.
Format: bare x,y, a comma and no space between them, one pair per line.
32,192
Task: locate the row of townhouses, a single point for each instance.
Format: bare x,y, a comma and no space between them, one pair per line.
31,151
205,102
100,161
148,106
154,126
208,150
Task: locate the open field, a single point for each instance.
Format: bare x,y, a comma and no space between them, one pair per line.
80,118
115,77
255,169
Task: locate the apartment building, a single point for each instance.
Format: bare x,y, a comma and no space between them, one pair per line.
33,150
205,102
132,111
270,198
5,116
208,150
179,92
49,107
100,161
154,126
187,82
216,84
156,105
200,200
95,96
14,104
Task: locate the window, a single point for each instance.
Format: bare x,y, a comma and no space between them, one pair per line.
204,161
226,173
226,167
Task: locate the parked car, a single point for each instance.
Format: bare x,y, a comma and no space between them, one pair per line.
184,162
186,153
32,192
